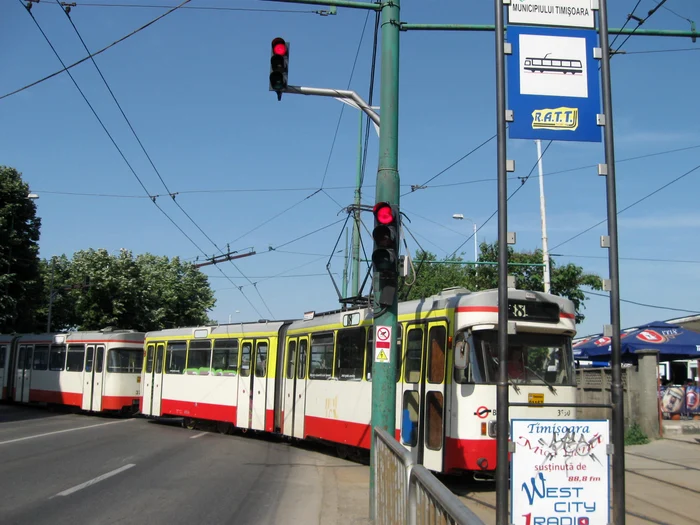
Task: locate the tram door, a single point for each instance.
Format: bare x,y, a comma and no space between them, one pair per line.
245,383
295,387
24,374
423,393
259,385
92,378
290,361
153,379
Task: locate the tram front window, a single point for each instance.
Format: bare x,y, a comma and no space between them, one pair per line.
532,358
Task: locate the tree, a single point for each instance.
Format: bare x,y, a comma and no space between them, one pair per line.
20,278
96,289
566,281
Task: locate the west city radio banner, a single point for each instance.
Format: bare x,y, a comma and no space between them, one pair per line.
560,472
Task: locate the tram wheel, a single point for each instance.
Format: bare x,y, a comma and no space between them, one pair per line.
342,451
223,427
189,423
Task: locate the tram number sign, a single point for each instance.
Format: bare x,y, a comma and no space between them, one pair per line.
382,344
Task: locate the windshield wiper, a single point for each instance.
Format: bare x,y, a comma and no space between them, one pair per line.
549,385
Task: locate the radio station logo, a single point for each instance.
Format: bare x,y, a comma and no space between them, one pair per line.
556,119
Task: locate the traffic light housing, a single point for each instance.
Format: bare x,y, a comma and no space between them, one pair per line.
385,257
279,66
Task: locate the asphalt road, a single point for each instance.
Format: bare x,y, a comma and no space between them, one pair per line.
79,469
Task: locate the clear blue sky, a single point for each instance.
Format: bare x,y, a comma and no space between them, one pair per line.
195,88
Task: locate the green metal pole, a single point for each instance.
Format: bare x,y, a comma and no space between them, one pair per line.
336,3
486,27
383,373
356,227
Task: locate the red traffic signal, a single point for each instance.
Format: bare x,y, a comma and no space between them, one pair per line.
384,213
279,46
279,66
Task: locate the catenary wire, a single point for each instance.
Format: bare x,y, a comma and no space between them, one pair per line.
645,304
342,108
121,153
329,188
194,8
66,68
630,206
148,156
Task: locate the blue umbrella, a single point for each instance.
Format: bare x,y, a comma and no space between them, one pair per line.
672,342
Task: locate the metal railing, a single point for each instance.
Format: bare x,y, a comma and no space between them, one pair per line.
406,493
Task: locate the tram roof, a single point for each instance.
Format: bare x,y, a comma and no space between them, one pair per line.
222,329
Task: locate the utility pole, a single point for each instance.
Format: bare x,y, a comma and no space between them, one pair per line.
356,226
616,388
543,219
503,420
388,181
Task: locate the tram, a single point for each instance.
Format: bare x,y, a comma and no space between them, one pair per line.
553,65
311,378
96,371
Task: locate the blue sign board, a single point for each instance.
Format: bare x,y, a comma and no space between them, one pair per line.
553,84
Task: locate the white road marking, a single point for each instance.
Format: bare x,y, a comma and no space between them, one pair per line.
62,431
199,435
95,480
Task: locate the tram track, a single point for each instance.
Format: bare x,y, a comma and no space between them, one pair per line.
672,463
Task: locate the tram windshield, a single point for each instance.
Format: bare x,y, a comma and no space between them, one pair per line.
539,359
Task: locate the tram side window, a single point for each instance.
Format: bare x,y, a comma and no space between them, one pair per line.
57,358
225,360
369,359
261,359
199,357
246,350
321,356
41,357
350,354
301,363
149,359
414,353
2,356
175,357
436,361
125,360
76,356
291,355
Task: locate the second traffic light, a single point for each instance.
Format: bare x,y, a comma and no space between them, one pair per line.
279,66
385,256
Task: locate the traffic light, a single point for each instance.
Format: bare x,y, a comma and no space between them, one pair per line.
279,66
386,238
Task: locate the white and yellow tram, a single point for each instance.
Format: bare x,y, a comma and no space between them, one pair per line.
311,378
98,371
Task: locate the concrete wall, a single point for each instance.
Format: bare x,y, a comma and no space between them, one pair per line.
640,396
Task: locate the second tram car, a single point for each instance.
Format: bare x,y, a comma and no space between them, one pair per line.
95,371
311,378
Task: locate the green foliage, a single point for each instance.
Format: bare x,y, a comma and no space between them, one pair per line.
96,289
434,276
635,435
20,278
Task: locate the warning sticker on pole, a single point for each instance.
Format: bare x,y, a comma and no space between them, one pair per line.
382,344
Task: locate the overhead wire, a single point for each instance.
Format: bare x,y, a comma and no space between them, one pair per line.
630,206
640,259
629,17
148,156
342,108
329,188
646,304
66,68
111,138
639,24
523,180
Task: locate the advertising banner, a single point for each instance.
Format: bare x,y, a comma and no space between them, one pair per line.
560,472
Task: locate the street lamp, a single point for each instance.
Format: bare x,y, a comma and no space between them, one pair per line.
460,217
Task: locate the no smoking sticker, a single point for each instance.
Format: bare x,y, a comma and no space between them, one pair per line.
382,344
